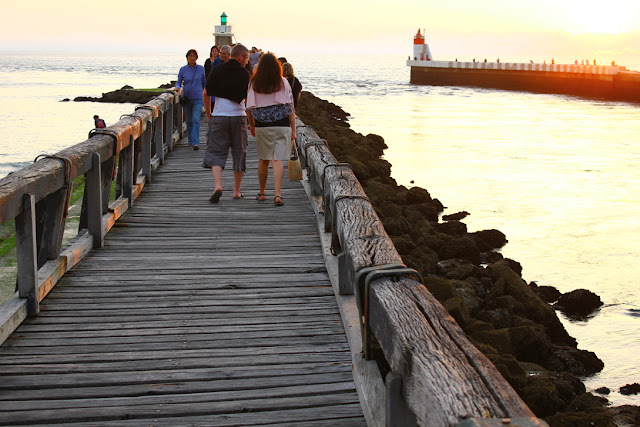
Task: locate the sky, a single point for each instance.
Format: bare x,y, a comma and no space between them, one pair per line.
501,28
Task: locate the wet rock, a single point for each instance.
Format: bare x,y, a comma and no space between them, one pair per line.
576,361
630,389
454,228
460,247
602,390
548,294
65,100
490,257
579,302
626,415
456,269
534,308
123,96
418,195
489,239
586,410
456,216
458,310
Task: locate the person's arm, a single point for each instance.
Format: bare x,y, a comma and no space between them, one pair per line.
206,99
292,123
179,82
252,123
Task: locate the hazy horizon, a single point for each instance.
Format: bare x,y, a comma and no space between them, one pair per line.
529,30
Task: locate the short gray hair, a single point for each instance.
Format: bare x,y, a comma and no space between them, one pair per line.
226,48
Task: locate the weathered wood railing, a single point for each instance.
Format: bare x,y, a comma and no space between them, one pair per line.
436,377
37,197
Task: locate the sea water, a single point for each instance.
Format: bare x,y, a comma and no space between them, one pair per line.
557,174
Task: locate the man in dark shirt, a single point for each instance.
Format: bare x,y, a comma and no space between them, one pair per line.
228,82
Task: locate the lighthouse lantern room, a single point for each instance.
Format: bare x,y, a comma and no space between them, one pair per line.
223,33
421,51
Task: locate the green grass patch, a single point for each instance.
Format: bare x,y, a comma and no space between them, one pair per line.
7,237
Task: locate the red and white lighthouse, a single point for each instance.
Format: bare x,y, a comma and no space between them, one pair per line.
421,51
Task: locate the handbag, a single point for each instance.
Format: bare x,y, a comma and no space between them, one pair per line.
184,100
294,168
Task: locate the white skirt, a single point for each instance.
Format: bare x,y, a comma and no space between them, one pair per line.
273,143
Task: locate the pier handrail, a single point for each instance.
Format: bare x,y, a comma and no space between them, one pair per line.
37,197
436,377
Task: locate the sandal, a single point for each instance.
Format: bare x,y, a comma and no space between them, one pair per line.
278,201
261,197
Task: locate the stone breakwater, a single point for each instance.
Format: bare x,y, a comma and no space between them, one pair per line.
501,314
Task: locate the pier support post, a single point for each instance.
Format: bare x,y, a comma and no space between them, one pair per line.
397,413
94,201
27,254
146,152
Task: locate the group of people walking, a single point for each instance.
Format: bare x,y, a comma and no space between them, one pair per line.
237,95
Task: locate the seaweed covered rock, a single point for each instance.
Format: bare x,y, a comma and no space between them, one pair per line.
579,302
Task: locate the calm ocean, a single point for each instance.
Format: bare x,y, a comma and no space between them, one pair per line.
558,175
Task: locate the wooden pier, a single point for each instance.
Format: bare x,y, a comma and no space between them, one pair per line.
169,310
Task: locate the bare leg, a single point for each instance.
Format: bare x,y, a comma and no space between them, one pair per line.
217,177
263,174
237,181
278,175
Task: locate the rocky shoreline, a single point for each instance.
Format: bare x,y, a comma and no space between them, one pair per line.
510,321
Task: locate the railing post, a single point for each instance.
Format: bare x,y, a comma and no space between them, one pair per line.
126,165
397,413
51,212
94,201
146,152
168,127
158,139
27,254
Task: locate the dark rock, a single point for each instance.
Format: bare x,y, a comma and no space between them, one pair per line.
630,389
456,216
123,96
458,310
626,415
541,396
460,247
65,100
418,195
403,244
548,294
455,269
578,362
490,257
585,410
442,289
602,390
489,239
498,318
534,308
454,228
579,302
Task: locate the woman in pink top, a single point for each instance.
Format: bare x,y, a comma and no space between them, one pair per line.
272,121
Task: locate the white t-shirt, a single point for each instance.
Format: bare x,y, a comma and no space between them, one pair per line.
228,108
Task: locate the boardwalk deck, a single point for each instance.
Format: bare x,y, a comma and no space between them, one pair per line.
191,314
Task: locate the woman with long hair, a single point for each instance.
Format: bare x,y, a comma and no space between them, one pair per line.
213,54
272,121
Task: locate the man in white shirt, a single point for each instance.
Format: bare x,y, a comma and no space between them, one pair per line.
228,82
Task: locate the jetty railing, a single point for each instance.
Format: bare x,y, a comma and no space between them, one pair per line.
38,198
434,375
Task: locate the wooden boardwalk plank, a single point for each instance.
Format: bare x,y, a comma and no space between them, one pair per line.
192,313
